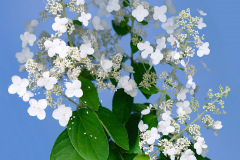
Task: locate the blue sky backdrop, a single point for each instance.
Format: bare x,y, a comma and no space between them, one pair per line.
26,138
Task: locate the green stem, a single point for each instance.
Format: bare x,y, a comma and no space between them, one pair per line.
70,99
64,15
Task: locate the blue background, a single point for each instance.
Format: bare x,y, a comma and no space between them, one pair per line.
26,138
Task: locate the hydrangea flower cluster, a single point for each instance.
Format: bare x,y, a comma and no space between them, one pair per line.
83,55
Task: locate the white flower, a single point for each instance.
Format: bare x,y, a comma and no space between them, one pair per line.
31,25
188,155
165,127
62,114
152,135
166,116
78,2
201,25
170,7
84,18
60,25
183,108
97,23
106,64
190,83
203,49
24,56
142,127
105,25
202,13
182,94
145,48
161,43
183,63
147,110
216,126
74,89
171,40
19,86
127,69
113,5
170,25
140,13
159,13
47,81
103,9
175,55
56,46
172,152
27,96
86,49
201,147
37,108
129,86
156,57
27,38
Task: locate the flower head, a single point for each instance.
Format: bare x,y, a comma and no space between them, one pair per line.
170,25
159,13
183,108
24,56
203,49
56,46
146,48
27,38
129,86
19,86
201,147
106,64
156,57
60,25
84,18
86,49
201,25
142,127
113,5
47,81
188,155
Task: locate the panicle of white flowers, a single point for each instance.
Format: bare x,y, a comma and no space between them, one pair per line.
54,7
194,130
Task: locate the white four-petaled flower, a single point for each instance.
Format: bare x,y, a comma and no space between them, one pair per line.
129,86
201,147
216,126
56,46
161,43
147,110
84,18
165,127
146,48
140,13
203,49
24,56
86,49
170,25
74,89
201,25
113,5
78,2
37,108
142,127
106,64
182,94
152,135
19,86
188,155
159,13
97,23
60,25
27,38
156,57
47,81
62,114
183,108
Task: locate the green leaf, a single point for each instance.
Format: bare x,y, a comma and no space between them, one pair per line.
114,127
90,94
125,4
144,23
167,97
141,157
86,74
139,107
124,22
134,48
77,22
122,105
140,69
120,30
133,135
150,119
87,135
63,149
113,81
114,152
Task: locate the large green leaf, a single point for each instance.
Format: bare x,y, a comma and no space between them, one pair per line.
90,94
133,135
150,119
140,69
87,135
115,129
120,30
63,149
139,107
114,152
141,157
122,105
